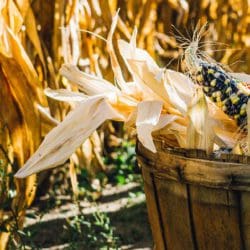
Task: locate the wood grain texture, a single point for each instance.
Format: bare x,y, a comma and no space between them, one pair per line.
153,211
216,218
175,165
245,218
174,207
196,203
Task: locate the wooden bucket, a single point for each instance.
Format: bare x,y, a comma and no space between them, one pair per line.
195,201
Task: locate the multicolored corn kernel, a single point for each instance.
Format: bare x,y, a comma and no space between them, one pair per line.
213,83
224,90
199,78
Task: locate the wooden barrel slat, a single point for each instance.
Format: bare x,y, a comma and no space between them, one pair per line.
215,218
196,203
175,214
153,210
245,217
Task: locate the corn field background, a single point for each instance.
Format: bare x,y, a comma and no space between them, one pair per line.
37,37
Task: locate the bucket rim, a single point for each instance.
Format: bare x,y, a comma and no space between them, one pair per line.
185,166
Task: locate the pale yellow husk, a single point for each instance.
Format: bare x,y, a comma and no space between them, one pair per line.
156,100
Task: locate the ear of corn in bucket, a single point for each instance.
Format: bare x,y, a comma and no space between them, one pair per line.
227,92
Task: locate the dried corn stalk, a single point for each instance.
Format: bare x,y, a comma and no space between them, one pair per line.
228,22
20,123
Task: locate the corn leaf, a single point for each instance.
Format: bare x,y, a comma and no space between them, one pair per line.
183,86
143,69
89,84
114,61
200,133
148,115
63,140
65,95
165,120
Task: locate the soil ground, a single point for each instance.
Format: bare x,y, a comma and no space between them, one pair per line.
125,206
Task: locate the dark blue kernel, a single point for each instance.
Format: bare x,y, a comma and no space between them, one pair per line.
228,103
223,97
210,77
244,99
234,88
220,84
222,77
238,106
242,120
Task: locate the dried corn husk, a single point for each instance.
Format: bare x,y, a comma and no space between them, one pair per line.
148,115
61,142
165,98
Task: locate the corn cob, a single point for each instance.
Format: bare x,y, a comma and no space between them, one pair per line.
223,90
228,93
